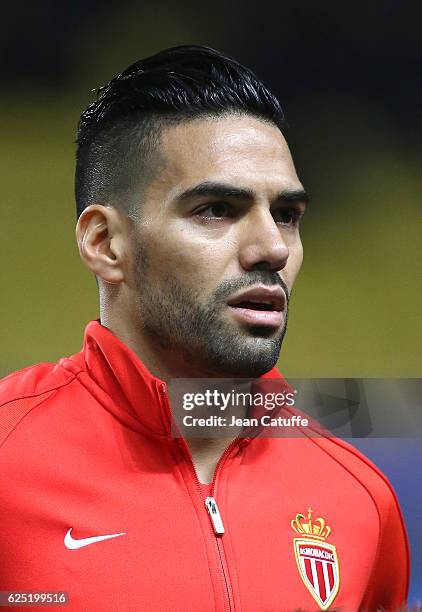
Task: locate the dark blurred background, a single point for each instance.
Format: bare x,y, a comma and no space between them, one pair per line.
348,75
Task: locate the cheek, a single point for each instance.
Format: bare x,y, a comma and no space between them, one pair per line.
194,265
294,264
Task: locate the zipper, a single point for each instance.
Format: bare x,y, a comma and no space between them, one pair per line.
214,512
216,518
210,502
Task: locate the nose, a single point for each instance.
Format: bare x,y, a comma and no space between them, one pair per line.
262,246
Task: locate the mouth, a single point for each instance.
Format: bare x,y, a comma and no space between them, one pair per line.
263,306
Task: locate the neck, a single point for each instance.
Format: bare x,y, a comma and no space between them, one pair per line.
166,365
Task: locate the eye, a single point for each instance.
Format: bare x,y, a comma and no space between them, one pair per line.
287,216
216,210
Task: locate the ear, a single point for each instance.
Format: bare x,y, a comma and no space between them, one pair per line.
101,241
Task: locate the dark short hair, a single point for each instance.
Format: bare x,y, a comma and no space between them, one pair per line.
118,132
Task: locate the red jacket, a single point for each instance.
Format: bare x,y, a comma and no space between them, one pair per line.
86,451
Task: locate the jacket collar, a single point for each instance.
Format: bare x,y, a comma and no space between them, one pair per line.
129,389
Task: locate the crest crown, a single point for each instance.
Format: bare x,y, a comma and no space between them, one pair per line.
313,528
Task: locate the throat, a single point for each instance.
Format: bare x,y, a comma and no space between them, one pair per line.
206,453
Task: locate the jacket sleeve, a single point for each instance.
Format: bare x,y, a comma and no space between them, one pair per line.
389,582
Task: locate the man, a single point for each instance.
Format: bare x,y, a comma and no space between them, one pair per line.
188,215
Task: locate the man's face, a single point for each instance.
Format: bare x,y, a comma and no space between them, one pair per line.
216,246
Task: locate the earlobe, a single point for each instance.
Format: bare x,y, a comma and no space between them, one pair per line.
99,234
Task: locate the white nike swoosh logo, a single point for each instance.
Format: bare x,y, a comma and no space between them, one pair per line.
72,544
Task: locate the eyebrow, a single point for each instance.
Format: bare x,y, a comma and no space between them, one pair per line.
223,190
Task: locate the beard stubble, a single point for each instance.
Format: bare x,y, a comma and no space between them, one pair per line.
177,319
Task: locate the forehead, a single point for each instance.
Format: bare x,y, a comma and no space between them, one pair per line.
241,150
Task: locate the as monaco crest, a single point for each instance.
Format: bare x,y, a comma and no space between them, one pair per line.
316,559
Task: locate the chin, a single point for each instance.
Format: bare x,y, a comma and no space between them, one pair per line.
264,331
250,362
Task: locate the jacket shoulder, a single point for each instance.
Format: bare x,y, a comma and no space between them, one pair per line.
359,466
392,569
25,389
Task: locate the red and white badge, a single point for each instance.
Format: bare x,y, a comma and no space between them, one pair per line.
316,559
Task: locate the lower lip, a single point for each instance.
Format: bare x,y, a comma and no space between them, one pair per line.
272,318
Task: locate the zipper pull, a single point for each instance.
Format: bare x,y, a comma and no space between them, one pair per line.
213,511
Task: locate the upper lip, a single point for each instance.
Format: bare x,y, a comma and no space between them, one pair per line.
273,295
